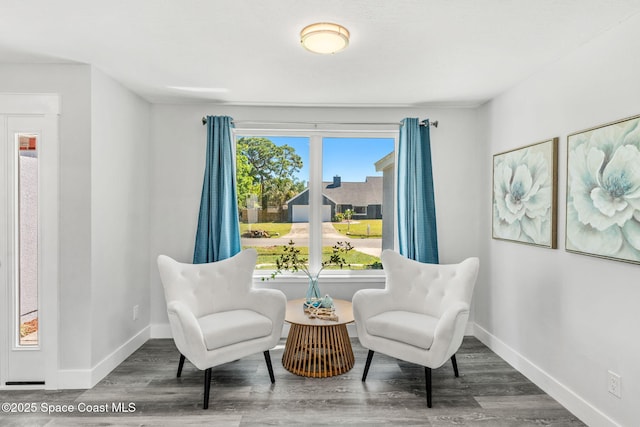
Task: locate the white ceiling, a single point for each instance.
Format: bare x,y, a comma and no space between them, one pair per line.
402,52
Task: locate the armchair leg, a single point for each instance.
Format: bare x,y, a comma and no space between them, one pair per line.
180,365
455,365
366,366
207,387
267,358
427,374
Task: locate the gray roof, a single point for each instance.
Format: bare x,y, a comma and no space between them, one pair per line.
364,193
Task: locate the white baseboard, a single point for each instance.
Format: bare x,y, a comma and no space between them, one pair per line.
74,379
469,329
160,330
87,378
582,409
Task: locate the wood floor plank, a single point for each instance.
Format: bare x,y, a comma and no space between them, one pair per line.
489,392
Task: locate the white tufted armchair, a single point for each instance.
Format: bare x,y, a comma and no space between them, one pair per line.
420,316
216,316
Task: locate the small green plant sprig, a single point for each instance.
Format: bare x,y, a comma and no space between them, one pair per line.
291,259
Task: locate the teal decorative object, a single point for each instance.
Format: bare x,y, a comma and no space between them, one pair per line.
313,297
327,302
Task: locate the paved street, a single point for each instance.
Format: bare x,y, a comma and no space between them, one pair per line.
300,235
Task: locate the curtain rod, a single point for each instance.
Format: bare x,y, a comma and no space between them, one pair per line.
264,122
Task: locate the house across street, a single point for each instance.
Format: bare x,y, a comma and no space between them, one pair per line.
363,198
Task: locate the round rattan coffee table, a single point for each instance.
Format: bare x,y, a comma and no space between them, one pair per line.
318,348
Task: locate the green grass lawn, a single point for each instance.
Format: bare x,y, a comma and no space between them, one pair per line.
359,229
359,261
275,229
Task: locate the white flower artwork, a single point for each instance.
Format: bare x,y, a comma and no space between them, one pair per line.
603,191
525,193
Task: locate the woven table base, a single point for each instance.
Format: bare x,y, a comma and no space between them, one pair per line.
318,351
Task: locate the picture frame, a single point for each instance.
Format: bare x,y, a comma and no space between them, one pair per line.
603,191
525,193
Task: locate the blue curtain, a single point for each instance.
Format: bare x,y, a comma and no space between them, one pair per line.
417,232
218,235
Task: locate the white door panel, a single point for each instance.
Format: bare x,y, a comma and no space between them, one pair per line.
28,241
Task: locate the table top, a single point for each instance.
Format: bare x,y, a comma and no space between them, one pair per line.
295,313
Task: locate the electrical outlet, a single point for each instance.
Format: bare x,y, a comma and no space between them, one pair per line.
613,384
135,312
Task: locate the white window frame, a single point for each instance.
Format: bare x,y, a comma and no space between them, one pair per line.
316,133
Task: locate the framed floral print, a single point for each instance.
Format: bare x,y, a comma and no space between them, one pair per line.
525,192
603,191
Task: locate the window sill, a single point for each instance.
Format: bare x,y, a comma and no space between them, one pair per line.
333,277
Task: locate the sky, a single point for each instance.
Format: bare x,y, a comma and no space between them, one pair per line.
352,159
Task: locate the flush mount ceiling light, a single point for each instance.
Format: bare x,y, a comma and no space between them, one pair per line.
324,38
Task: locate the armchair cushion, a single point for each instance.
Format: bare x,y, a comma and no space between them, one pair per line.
231,327
411,328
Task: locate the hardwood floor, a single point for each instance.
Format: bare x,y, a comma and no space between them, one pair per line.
488,393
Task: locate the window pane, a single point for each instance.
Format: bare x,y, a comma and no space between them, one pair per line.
273,198
357,188
28,238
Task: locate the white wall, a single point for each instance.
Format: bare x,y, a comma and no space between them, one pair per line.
565,319
120,152
179,144
73,84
